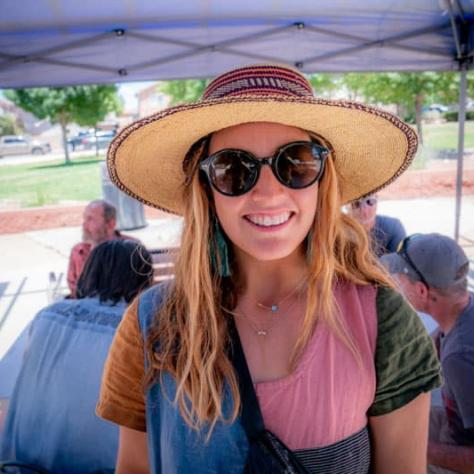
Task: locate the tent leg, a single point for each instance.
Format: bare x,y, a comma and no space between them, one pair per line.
461,120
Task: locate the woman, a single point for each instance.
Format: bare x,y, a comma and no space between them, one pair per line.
50,420
266,248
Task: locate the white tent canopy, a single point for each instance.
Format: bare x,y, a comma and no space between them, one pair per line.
53,43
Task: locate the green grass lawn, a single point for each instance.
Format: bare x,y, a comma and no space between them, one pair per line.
48,183
444,136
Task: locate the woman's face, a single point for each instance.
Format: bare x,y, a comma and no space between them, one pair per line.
271,220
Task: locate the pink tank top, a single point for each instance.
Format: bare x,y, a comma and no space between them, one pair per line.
327,396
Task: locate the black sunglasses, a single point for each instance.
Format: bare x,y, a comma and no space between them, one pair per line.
296,165
370,201
403,252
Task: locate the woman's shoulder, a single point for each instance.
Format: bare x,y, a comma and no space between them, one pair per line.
346,289
406,361
387,300
390,308
149,303
154,295
392,305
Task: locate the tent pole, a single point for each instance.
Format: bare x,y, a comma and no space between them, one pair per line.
461,120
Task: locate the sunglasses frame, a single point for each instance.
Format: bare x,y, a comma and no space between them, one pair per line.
403,252
272,161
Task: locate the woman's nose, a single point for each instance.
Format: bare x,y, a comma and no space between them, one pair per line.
267,183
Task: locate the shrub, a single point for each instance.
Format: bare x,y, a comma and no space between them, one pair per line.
453,116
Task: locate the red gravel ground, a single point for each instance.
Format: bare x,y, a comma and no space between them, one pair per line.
413,184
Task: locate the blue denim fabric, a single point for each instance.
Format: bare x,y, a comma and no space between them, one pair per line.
172,445
51,419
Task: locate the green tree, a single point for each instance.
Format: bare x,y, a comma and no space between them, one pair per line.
447,90
356,84
64,105
8,125
183,91
409,91
93,103
323,84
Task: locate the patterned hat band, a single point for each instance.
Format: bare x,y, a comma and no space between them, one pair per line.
259,80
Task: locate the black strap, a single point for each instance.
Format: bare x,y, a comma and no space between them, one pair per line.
251,417
279,457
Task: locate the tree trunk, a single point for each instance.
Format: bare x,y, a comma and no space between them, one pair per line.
63,124
96,142
418,114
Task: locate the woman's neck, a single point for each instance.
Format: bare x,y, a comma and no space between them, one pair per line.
268,282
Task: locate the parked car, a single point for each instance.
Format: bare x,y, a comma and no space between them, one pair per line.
75,142
441,109
20,145
103,140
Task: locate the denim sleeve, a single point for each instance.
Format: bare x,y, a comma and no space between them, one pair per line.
405,358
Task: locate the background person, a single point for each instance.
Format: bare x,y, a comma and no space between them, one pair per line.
98,225
266,249
51,419
385,232
432,270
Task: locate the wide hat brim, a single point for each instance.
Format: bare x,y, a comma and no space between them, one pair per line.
371,147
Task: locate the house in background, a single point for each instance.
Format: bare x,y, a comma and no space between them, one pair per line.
28,122
151,100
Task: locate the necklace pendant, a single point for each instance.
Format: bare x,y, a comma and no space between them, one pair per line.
261,332
275,308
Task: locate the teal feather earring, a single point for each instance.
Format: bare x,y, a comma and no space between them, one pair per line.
219,251
309,247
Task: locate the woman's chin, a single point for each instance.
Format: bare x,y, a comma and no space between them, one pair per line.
272,252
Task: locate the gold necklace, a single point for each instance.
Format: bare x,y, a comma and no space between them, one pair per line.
275,308
262,331
258,331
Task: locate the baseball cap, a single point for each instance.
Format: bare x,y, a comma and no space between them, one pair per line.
437,259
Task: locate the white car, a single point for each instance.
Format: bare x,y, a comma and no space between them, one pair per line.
437,108
20,145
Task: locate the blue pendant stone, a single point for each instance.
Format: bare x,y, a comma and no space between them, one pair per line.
275,308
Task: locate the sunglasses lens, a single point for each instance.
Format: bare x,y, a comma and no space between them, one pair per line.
232,172
299,165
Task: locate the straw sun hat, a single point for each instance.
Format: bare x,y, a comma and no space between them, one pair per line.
370,147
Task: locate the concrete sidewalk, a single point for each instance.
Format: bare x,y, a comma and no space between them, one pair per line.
27,259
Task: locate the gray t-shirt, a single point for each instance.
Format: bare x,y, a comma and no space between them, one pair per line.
457,362
386,234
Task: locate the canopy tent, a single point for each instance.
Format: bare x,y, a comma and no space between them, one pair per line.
53,43
45,42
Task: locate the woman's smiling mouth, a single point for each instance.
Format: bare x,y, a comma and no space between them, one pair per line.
269,220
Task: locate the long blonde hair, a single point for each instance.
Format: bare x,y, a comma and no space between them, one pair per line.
190,329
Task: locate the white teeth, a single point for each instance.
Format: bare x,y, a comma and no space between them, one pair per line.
268,221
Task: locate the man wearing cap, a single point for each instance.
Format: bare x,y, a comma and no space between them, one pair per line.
432,272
